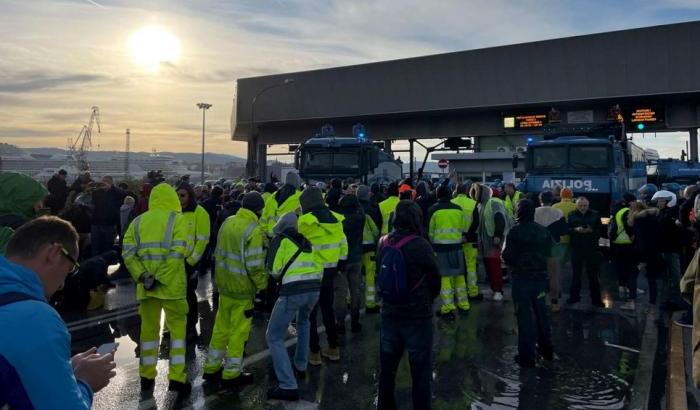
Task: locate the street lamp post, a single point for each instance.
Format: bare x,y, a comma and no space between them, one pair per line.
253,133
204,107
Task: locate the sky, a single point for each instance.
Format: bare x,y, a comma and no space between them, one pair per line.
59,58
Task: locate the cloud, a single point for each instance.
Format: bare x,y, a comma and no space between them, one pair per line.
32,81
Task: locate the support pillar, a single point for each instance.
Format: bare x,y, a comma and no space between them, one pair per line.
693,139
252,160
410,158
387,146
261,171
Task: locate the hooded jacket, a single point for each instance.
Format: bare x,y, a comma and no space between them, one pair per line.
198,224
18,195
35,351
157,243
353,226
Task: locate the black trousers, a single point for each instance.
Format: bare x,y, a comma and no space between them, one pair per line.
193,312
625,260
587,259
327,312
534,331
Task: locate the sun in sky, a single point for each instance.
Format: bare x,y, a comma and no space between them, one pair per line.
152,45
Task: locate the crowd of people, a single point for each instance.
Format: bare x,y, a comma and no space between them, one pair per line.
338,247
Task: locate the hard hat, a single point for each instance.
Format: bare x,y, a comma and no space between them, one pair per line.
667,196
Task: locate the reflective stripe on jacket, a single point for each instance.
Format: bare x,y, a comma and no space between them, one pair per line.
199,230
305,267
273,212
386,208
327,239
447,225
467,204
370,232
157,242
621,238
511,203
240,256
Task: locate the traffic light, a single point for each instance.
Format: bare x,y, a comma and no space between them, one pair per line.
641,126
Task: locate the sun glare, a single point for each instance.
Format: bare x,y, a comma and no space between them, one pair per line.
153,45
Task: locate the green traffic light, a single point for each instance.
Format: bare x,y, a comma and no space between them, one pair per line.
640,126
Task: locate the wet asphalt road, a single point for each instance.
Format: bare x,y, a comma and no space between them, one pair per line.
473,360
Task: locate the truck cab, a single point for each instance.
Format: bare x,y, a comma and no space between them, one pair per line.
598,164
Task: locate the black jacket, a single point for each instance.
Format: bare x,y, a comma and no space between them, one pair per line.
670,232
58,193
421,267
528,246
106,204
584,241
333,197
353,225
646,242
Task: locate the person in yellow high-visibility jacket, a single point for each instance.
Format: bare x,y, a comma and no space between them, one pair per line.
446,231
468,205
283,201
154,250
512,196
387,207
199,228
370,237
240,274
324,229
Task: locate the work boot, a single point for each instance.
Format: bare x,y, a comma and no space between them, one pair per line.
685,321
243,379
212,377
283,394
498,296
147,384
372,310
315,359
182,389
554,307
331,353
97,300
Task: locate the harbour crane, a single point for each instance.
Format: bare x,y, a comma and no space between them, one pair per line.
78,150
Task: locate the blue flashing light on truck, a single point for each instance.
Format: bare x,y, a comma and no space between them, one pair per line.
594,160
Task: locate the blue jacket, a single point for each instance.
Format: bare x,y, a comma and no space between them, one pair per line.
35,368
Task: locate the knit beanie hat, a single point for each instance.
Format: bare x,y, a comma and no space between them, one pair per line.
311,198
253,201
566,193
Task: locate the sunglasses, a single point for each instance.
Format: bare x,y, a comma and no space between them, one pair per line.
76,265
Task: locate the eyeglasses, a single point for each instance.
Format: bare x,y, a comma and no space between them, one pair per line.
76,265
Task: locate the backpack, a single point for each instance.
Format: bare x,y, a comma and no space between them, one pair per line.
391,276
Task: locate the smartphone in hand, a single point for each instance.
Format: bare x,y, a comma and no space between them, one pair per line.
107,348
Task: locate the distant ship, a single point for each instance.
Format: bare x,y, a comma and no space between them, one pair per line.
42,167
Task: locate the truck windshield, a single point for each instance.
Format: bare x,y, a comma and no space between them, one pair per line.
549,157
589,157
329,160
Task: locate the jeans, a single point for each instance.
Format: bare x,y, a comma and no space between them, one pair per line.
327,312
396,336
589,259
286,308
534,331
350,277
102,238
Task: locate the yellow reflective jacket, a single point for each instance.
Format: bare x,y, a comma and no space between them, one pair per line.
240,256
327,238
273,211
511,203
156,242
386,208
467,204
198,225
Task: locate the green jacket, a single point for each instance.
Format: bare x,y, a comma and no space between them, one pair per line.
18,195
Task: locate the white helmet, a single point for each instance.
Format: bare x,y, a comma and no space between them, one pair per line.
667,196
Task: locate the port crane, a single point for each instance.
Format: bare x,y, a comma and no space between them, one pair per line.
83,143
